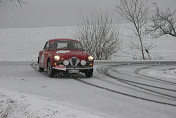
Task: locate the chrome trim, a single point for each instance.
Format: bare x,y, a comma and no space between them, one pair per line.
77,61
64,69
79,68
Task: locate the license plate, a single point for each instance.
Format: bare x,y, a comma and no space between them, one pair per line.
73,71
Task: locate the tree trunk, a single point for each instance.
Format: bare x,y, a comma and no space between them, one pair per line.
142,48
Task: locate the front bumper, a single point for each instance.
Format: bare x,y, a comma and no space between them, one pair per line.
72,69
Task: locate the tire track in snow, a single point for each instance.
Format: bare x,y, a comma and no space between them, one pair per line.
154,78
149,78
125,94
34,66
138,83
132,83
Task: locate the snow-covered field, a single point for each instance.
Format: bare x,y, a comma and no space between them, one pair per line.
26,93
23,44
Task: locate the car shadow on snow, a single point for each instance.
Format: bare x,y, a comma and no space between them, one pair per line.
63,75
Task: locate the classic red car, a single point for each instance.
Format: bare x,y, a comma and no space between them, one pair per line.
65,56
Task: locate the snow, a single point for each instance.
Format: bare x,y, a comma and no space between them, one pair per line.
35,92
38,89
163,47
25,93
23,44
163,72
22,105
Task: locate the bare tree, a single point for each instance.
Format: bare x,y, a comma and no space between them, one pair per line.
136,12
135,48
8,3
163,22
98,36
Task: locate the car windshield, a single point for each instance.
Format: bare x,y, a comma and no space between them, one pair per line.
74,45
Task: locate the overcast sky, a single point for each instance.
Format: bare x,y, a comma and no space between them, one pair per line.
53,13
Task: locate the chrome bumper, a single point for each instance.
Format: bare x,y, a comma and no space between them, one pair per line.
76,68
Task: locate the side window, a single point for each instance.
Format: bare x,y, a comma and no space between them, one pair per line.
46,45
78,45
53,46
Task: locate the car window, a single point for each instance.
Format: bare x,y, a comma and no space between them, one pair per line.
66,45
78,45
53,46
62,45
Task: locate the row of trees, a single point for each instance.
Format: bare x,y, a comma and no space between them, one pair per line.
9,3
101,39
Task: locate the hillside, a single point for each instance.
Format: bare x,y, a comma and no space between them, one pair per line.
23,44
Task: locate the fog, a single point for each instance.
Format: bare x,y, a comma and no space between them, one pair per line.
54,13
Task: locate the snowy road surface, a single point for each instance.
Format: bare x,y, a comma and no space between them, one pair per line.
118,91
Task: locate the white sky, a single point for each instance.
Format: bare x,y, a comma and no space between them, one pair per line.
51,13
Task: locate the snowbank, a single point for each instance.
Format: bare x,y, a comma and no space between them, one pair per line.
163,72
20,105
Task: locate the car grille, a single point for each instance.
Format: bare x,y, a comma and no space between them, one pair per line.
74,61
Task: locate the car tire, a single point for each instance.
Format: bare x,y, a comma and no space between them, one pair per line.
50,70
74,76
40,68
60,74
89,73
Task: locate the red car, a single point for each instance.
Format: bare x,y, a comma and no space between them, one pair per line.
65,56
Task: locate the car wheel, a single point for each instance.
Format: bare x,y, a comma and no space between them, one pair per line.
89,73
50,70
40,68
74,76
60,74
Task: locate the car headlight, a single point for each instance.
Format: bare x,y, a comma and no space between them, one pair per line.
57,58
90,58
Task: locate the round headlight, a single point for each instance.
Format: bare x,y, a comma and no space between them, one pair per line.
66,62
90,58
83,62
57,58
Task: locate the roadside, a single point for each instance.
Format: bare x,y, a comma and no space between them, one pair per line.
163,72
22,105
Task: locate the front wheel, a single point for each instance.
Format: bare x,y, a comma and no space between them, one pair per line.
89,73
50,70
40,69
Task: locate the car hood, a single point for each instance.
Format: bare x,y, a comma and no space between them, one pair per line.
67,54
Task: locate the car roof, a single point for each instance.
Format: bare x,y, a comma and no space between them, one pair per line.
61,39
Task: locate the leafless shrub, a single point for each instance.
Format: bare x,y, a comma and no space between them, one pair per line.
136,12
98,36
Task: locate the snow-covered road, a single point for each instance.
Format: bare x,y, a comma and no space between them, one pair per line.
118,91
